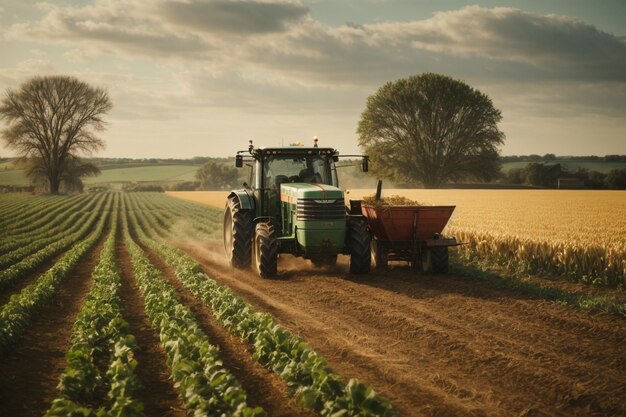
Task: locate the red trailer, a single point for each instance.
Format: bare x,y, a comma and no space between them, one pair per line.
408,233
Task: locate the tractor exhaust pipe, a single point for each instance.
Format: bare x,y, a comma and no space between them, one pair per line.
379,189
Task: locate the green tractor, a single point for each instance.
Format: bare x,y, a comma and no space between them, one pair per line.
293,205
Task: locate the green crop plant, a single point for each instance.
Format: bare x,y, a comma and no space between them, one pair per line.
17,313
100,334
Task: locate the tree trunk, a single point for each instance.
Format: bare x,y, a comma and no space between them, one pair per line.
54,183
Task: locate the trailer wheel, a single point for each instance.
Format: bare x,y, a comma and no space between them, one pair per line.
440,260
238,229
359,241
379,255
265,250
426,261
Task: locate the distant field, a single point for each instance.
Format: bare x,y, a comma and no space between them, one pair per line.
146,173
119,174
572,165
13,177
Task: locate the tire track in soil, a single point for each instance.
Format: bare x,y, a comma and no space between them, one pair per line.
263,387
19,285
159,396
29,375
446,345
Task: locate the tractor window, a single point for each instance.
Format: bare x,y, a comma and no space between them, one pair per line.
289,168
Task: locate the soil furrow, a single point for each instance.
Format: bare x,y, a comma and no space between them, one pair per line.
465,348
29,375
159,395
263,387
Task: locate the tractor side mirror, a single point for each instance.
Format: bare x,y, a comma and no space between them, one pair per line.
238,161
365,164
336,158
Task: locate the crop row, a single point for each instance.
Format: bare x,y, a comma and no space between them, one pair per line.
28,264
43,215
16,314
31,205
188,217
100,335
206,387
58,224
305,372
11,204
50,235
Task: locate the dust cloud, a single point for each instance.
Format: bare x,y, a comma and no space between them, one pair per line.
184,234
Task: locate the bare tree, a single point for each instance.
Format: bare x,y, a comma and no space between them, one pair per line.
50,121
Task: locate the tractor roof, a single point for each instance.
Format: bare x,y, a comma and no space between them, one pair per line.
295,150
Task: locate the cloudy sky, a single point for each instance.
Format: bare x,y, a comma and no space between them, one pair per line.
202,77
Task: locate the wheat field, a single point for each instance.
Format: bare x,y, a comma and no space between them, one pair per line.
580,235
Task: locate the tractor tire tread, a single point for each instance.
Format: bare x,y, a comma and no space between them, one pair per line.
267,262
242,228
360,251
440,259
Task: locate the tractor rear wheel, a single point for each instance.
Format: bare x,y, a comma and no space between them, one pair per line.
440,260
238,229
359,241
265,249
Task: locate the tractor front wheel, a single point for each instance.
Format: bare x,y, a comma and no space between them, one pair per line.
238,230
265,250
359,241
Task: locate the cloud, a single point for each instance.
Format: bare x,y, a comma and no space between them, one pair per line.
233,17
263,54
548,42
283,38
115,26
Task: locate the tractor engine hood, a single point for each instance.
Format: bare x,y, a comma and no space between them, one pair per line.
317,216
324,194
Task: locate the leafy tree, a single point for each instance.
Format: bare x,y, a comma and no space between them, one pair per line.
216,176
515,176
541,174
596,180
533,173
433,129
616,179
50,121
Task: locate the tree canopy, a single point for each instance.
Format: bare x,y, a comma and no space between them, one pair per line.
217,176
432,129
51,120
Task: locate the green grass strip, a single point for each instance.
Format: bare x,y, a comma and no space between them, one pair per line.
578,299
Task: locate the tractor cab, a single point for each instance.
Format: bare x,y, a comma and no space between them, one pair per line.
276,168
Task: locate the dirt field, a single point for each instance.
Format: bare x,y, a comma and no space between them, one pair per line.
444,345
